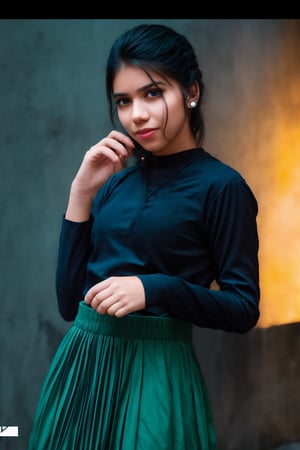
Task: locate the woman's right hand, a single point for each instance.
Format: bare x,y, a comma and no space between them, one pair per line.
102,160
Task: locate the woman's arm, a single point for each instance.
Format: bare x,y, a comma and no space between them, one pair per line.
231,230
101,161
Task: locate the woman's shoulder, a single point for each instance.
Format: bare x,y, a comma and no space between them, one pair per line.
214,170
222,178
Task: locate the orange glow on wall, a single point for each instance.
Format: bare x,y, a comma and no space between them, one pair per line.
280,231
279,220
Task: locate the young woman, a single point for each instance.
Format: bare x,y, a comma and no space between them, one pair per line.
152,220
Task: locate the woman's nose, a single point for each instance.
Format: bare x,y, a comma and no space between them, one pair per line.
139,111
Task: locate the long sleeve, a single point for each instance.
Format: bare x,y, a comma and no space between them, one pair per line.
230,226
73,254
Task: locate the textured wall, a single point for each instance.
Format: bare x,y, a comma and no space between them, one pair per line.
52,109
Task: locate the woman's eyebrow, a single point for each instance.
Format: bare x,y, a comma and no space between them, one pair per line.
141,89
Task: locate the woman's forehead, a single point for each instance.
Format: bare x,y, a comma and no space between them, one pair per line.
129,77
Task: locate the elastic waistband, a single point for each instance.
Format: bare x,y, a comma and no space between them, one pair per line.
132,326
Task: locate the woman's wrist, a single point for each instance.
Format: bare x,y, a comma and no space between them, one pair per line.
79,206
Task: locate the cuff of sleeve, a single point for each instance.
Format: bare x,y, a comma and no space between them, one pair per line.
70,222
157,288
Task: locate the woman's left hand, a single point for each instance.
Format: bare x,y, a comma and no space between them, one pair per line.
117,296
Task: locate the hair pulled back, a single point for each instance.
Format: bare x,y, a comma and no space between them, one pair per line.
156,47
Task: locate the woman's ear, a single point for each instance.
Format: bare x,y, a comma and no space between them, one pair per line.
193,95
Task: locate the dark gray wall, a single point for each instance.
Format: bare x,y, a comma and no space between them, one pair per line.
52,109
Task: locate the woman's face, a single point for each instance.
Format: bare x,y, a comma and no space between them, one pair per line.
154,115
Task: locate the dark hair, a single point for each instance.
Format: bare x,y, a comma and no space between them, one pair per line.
158,48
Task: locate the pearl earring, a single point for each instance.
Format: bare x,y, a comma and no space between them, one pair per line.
193,104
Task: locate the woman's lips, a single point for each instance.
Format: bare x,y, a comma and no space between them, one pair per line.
146,133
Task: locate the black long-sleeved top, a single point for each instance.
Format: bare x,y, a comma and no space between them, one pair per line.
178,222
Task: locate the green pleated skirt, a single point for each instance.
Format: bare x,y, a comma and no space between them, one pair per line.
131,383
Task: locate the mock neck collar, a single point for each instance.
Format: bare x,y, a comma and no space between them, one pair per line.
161,161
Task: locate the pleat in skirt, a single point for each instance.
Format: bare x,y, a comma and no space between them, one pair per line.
131,383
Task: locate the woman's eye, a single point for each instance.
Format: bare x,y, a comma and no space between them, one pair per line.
122,101
154,93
